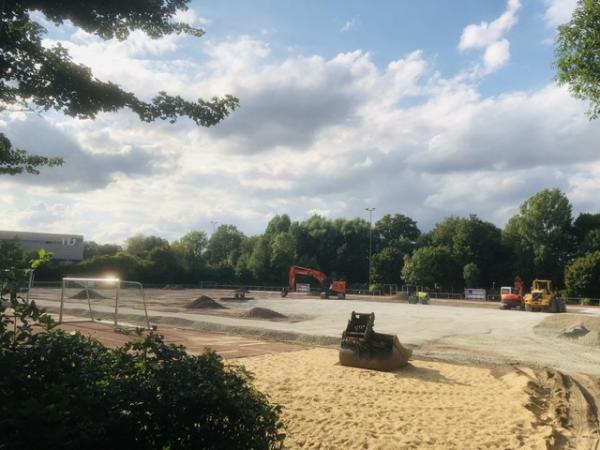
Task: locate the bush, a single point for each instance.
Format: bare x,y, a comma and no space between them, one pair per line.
582,275
67,391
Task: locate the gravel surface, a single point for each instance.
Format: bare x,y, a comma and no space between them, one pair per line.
463,334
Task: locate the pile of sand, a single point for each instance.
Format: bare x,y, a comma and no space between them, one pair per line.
205,302
176,287
576,328
264,313
82,295
425,405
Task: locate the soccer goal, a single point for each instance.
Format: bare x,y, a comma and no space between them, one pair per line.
101,299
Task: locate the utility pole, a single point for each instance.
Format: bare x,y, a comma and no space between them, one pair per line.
370,241
214,223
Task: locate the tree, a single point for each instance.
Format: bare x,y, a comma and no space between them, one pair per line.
590,243
92,249
398,230
429,266
541,235
224,246
140,245
16,161
582,275
387,265
471,275
190,250
577,54
36,77
283,255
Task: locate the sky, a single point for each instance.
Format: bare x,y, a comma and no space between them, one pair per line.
428,109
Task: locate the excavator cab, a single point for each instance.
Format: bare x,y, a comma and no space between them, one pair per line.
362,347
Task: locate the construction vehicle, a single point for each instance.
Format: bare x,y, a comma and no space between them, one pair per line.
512,297
543,298
362,347
328,287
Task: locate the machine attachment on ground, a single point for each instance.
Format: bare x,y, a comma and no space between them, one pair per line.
544,298
328,287
362,347
512,297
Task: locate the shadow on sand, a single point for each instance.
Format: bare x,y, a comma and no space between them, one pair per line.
425,374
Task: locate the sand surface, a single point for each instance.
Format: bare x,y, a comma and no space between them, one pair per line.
428,405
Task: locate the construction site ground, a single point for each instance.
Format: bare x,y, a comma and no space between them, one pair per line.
480,377
469,334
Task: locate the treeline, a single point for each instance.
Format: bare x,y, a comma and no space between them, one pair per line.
542,240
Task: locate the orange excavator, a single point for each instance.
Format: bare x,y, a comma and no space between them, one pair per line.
512,297
328,287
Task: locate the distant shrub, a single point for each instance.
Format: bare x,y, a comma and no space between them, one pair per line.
586,301
67,391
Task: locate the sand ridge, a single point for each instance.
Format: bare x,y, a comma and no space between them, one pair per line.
428,405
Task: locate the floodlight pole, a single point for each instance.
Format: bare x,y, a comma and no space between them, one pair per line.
370,242
214,223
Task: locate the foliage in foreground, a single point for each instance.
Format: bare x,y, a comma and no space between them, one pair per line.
577,49
67,391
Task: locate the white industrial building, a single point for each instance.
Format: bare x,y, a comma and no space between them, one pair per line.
64,247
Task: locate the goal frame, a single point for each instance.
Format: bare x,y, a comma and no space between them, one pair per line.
117,287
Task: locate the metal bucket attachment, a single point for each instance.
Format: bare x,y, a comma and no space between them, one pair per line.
363,347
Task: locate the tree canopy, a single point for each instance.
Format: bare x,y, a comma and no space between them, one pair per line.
37,77
578,54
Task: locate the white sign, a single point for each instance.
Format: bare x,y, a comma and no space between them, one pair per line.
302,287
475,294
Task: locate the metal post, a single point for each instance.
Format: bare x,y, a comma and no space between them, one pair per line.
87,294
370,243
117,304
62,299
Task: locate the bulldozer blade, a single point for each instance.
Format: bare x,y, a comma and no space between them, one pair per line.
384,361
362,347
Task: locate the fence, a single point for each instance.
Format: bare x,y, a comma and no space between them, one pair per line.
356,289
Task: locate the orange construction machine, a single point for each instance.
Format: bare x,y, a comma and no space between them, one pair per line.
328,287
512,297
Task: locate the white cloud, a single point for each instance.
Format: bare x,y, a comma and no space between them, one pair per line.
496,55
191,17
332,135
559,11
489,36
349,25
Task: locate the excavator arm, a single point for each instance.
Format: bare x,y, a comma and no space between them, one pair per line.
297,270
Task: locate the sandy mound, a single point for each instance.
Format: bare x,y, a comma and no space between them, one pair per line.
82,295
576,328
205,302
176,287
426,405
264,313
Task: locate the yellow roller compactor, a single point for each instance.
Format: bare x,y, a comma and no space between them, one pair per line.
543,298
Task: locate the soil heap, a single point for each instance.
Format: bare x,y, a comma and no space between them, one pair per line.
264,313
205,302
82,295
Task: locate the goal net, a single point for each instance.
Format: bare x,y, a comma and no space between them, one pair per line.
104,300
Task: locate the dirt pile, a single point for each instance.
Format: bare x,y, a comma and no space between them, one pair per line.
204,302
175,287
82,295
576,328
264,313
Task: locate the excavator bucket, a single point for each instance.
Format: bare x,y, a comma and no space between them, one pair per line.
363,347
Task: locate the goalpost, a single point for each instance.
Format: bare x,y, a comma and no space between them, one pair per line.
107,294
